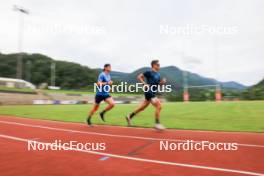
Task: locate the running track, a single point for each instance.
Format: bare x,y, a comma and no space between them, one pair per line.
129,151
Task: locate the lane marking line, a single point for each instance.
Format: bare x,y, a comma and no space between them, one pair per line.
137,159
104,158
113,135
139,148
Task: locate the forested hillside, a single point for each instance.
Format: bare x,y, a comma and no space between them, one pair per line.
37,69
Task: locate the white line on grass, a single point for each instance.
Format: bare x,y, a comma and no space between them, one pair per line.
110,135
135,158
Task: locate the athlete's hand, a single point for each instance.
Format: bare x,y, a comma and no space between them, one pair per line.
110,82
163,81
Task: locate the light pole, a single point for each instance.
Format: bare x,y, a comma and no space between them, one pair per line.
21,12
218,93
53,74
28,71
185,82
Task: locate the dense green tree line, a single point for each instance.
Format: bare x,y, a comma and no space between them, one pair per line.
255,92
37,69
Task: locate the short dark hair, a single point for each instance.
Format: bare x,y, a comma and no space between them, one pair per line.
154,62
106,65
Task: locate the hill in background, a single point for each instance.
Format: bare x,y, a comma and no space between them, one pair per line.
174,76
255,92
260,85
36,69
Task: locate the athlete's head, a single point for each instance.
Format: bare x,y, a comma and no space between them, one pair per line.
107,67
155,65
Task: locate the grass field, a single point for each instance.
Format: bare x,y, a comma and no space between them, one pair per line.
227,116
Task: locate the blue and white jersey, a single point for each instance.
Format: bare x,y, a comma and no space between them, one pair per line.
103,77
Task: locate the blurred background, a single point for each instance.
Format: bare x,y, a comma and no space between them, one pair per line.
52,52
210,51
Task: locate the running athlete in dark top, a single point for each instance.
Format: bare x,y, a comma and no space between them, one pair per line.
152,79
102,94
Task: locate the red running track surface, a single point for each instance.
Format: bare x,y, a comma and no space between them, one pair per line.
129,151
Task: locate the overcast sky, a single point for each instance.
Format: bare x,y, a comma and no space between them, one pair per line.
223,39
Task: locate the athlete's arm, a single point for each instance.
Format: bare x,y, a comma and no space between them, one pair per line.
141,79
163,81
100,83
110,82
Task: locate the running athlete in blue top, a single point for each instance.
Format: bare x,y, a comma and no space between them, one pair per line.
102,94
152,79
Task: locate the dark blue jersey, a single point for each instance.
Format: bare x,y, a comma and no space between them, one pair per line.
152,77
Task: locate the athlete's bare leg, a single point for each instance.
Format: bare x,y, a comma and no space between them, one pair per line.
94,109
157,104
141,107
91,113
111,103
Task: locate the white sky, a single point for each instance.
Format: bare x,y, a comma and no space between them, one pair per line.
127,34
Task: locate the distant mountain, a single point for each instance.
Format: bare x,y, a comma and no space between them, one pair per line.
36,69
174,76
115,75
233,85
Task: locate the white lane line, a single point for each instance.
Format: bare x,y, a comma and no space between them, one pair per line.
135,158
112,135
